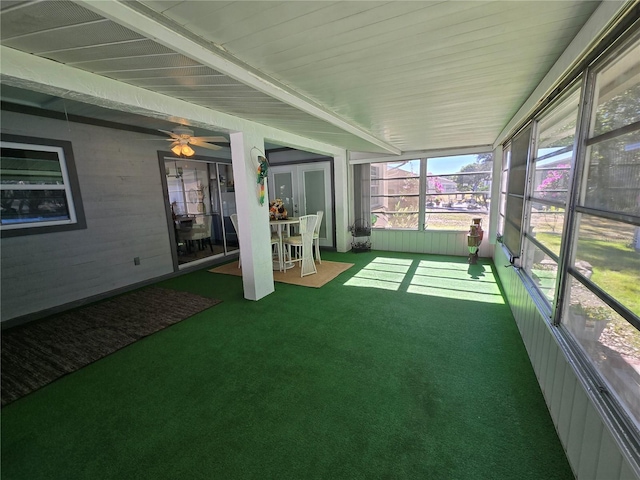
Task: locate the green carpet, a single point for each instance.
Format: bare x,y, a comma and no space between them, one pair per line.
405,366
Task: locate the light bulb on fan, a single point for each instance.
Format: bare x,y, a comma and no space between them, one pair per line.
187,151
183,149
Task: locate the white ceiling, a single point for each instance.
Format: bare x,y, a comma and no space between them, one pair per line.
365,76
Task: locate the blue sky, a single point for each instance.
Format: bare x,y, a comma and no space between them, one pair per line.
440,165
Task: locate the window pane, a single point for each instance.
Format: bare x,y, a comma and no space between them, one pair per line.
460,221
503,181
551,178
514,211
617,100
396,186
557,128
462,202
613,181
608,253
519,153
394,220
517,177
397,211
609,341
395,190
541,268
28,206
546,225
30,167
511,238
520,149
394,203
458,190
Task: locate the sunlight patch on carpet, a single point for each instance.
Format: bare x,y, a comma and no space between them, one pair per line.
446,292
384,273
454,280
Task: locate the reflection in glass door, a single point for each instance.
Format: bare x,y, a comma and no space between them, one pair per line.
202,198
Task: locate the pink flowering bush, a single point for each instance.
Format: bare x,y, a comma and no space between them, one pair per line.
555,184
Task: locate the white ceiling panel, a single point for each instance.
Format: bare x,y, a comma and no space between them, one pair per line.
371,76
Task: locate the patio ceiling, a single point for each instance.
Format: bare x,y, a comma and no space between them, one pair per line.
385,77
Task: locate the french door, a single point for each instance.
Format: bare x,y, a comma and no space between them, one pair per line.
304,189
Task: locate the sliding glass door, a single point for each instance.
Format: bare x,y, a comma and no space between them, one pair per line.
202,198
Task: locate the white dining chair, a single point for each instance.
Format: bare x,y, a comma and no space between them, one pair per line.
275,242
302,245
234,220
316,236
200,232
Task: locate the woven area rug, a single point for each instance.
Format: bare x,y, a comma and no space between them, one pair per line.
36,354
327,271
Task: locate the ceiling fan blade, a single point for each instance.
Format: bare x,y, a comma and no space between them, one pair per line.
210,139
171,134
204,145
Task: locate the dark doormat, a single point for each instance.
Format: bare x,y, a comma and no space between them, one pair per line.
36,354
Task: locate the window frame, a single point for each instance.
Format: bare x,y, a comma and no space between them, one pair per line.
608,398
71,187
516,192
423,194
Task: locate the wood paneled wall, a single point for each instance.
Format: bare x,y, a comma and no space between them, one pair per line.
123,201
590,447
434,242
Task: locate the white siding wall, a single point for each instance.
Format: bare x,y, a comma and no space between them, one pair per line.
590,447
122,195
439,243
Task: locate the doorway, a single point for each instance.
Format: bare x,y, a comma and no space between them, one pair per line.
201,196
304,189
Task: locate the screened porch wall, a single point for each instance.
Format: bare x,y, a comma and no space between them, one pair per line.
589,445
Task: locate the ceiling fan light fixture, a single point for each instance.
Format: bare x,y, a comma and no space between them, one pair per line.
187,151
184,150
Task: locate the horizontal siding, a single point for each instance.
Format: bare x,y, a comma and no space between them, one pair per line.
123,201
589,445
432,242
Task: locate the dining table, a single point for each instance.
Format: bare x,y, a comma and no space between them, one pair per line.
282,226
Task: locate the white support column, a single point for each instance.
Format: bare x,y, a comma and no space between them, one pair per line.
342,182
494,206
253,218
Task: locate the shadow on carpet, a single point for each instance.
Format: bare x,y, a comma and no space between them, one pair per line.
36,354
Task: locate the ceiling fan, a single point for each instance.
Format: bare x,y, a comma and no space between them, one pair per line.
182,138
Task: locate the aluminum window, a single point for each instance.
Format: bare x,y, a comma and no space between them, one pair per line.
39,189
447,195
572,208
